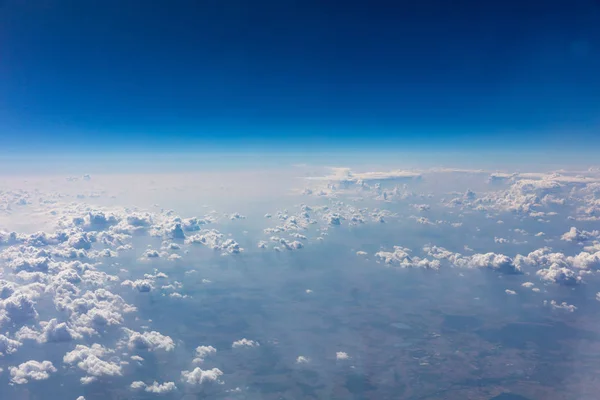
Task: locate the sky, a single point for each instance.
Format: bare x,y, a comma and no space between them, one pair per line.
132,76
299,200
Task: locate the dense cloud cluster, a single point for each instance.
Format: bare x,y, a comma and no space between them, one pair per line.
87,281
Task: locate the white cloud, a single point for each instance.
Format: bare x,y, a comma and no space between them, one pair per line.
511,292
560,306
199,376
575,235
400,257
245,343
141,285
341,355
8,346
202,352
155,387
494,261
31,370
150,341
90,360
216,241
302,360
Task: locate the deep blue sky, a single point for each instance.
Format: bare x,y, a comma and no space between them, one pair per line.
179,75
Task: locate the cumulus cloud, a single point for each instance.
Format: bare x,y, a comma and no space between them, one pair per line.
8,346
341,355
244,343
494,261
141,285
155,387
575,235
202,352
400,257
92,360
31,370
302,360
216,241
150,341
199,376
560,306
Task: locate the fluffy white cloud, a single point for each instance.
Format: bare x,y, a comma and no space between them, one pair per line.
400,257
575,235
560,306
150,341
90,360
8,346
199,376
494,261
31,370
155,387
302,360
341,355
216,241
245,343
141,285
202,352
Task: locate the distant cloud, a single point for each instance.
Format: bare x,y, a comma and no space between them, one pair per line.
244,343
155,387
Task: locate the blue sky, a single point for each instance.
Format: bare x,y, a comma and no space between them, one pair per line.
136,76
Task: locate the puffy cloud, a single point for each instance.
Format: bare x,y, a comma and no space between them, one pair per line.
90,360
559,268
557,274
52,331
302,360
575,235
141,285
8,346
341,355
216,241
400,257
245,343
93,310
199,376
31,370
155,387
527,284
346,176
150,341
19,307
286,244
560,306
494,261
202,352
137,385
511,292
